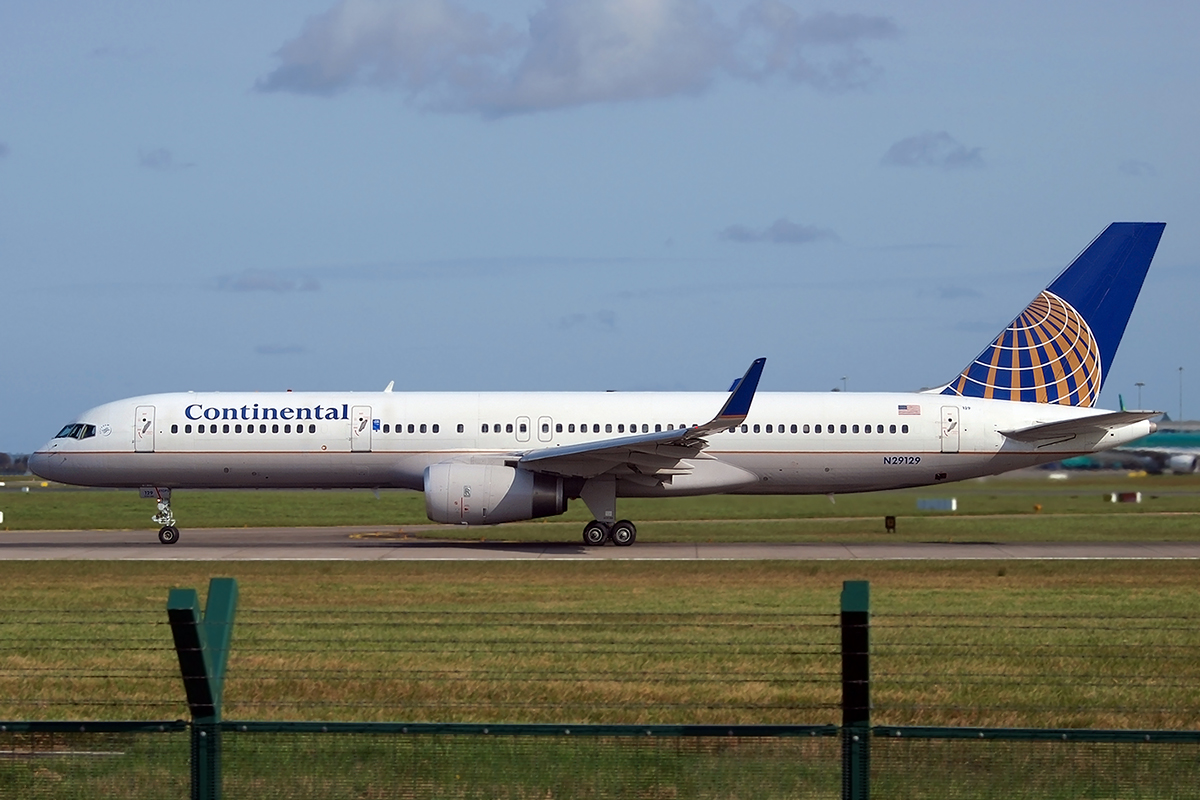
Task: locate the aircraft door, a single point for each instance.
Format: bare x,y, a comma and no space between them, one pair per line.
360,429
522,429
545,429
143,430
951,429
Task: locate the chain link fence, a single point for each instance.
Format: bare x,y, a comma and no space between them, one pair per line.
809,703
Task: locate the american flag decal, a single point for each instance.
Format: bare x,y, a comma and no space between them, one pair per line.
909,410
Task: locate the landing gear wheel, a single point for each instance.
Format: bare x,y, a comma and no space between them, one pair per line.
595,534
168,534
624,533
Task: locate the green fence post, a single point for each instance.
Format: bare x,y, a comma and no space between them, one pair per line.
202,644
856,690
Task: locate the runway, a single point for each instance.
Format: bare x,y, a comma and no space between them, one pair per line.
420,544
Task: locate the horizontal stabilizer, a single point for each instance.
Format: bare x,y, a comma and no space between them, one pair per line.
1080,426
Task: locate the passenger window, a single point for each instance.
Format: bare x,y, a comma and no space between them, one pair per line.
571,428
287,428
225,428
620,428
558,427
412,428
508,428
658,427
670,427
524,428
844,427
596,427
904,429
855,429
817,429
891,428
608,427
262,428
794,429
424,427
805,427
435,428
546,427
461,428
312,428
174,429
645,428
386,428
745,428
770,429
485,427
879,429
756,428
187,428
275,428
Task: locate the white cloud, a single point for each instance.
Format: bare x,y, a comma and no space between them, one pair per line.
280,349
263,280
781,231
444,57
159,159
604,319
1137,168
932,149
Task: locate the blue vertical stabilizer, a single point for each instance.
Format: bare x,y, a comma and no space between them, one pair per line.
1060,348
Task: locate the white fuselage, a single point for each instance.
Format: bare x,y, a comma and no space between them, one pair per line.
867,441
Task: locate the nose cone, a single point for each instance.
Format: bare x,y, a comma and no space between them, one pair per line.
42,462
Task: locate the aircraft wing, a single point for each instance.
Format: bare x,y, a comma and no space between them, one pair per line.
1080,426
656,453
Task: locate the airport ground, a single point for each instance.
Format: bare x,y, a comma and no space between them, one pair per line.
623,638
1022,507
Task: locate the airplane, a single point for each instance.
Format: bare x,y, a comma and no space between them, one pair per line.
494,457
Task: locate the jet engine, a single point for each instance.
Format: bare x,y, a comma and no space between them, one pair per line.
485,494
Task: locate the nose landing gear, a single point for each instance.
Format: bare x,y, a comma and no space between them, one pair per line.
168,533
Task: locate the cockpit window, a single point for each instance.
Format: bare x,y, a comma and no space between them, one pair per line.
77,430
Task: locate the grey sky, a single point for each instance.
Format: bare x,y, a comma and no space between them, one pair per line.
574,194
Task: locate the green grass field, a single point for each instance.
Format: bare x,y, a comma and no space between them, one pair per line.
1086,644
998,509
1097,644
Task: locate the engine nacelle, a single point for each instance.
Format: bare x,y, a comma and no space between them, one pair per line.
1181,463
483,494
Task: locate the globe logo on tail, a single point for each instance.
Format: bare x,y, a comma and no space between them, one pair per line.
1047,355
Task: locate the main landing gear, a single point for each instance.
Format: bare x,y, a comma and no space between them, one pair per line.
622,533
168,533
